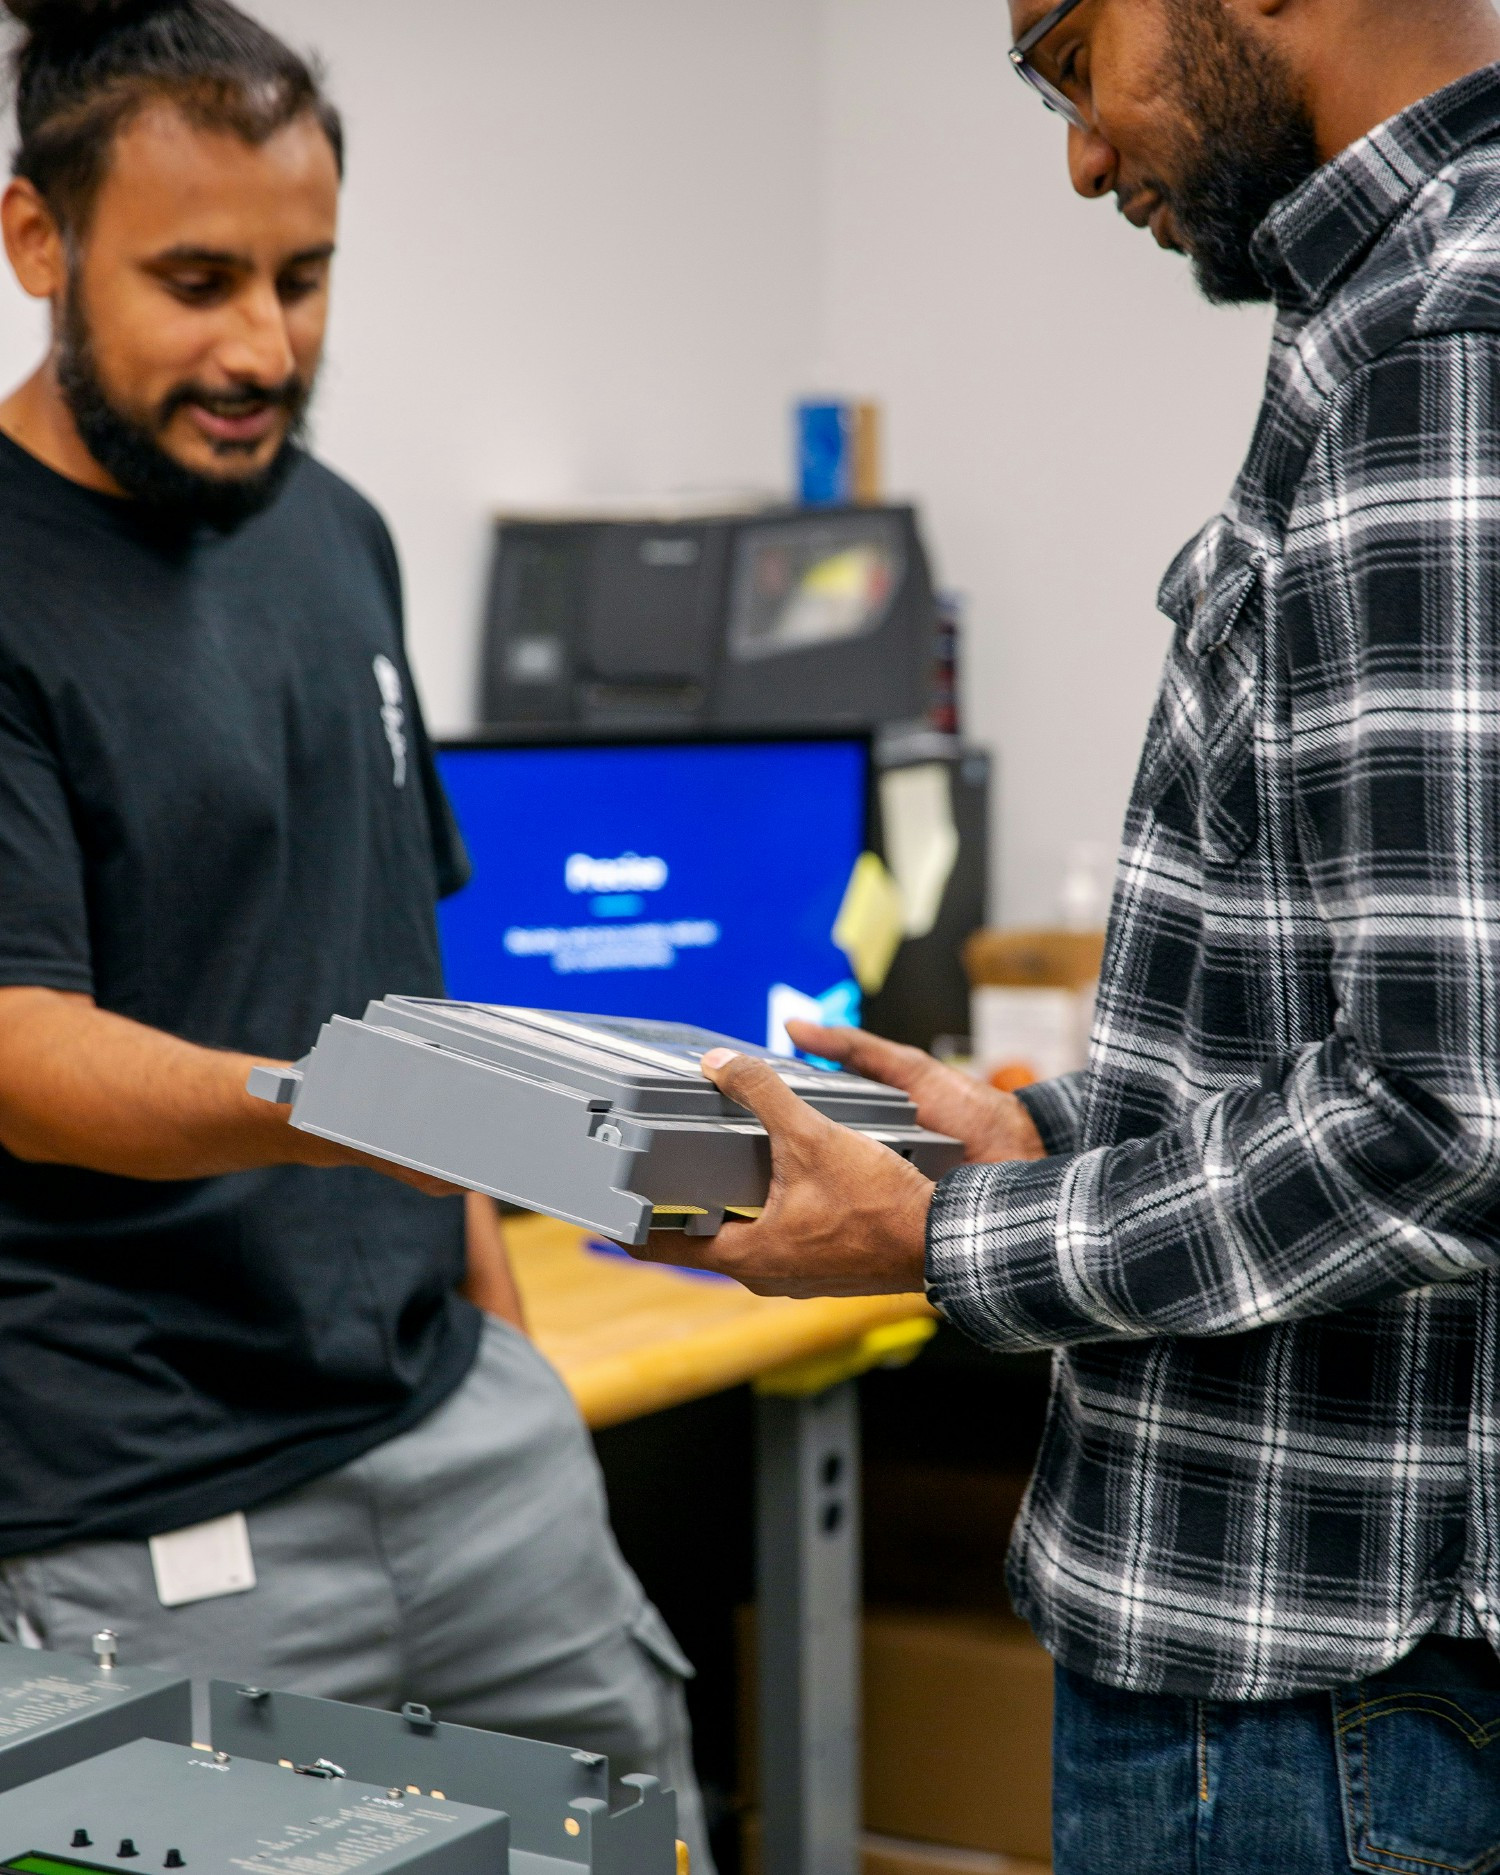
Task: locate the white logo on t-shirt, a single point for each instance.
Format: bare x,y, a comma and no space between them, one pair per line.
393,715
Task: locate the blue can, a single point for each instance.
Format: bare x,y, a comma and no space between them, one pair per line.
825,454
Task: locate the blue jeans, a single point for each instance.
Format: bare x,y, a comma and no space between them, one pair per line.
1398,1773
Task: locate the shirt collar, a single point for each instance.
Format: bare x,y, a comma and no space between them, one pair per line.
1313,238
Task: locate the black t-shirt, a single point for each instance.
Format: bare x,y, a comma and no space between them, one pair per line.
219,816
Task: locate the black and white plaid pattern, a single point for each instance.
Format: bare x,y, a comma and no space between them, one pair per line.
1267,1245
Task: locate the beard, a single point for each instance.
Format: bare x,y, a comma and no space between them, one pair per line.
172,496
1253,143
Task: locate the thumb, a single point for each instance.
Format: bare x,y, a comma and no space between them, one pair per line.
757,1085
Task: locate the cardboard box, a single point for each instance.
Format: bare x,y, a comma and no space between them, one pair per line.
1032,1002
958,1731
1036,960
889,1855
936,1535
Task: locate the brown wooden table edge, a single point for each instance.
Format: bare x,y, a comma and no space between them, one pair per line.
712,1360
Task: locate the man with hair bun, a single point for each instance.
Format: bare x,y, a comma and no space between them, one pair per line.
266,1409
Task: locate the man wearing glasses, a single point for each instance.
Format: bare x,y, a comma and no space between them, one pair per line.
1262,1230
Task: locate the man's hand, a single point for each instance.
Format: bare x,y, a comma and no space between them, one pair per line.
845,1215
993,1127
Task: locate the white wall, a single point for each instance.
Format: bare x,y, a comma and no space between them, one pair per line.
22,327
597,248
1064,405
577,258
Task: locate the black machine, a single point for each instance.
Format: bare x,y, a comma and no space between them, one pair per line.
811,619
815,618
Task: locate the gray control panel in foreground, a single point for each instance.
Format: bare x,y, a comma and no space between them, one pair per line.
562,1818
55,1710
148,1808
604,1122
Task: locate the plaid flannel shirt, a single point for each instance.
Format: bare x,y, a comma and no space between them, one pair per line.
1267,1246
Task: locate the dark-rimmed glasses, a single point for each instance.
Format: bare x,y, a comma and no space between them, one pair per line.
1020,56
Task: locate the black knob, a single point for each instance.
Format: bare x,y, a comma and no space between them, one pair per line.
174,1859
127,1848
82,1839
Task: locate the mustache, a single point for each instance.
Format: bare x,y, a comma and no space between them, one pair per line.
1125,197
242,400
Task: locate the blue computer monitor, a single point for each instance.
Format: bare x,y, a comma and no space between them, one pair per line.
685,881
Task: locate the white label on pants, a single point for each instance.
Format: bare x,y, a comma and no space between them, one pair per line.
201,1564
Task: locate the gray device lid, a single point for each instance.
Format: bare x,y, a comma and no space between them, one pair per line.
221,1814
42,1693
632,1063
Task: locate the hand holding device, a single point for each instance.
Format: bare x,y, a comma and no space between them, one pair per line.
845,1215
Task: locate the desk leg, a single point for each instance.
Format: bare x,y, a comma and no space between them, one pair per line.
808,1588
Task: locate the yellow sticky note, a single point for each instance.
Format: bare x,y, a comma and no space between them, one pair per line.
871,922
921,837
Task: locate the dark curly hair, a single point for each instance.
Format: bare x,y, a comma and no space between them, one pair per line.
87,67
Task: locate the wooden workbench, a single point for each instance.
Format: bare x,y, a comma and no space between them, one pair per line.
632,1338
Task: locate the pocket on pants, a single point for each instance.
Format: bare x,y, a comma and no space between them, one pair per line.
653,1635
1420,1774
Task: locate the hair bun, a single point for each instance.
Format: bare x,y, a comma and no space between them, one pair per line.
81,18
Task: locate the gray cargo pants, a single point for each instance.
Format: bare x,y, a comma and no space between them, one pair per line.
467,1565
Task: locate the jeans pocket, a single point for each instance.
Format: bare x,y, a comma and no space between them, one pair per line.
1420,1775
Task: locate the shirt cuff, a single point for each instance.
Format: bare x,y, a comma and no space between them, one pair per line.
1055,1108
993,1268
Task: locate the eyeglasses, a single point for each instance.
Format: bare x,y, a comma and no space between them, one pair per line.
1020,57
